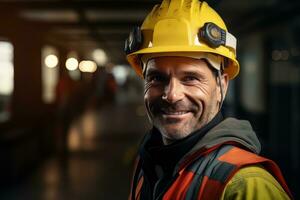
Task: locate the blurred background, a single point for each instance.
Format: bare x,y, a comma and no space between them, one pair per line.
71,109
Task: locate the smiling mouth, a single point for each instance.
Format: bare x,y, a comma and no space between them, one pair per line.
174,112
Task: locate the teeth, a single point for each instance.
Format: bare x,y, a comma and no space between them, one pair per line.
176,113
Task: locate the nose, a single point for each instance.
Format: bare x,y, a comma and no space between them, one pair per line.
173,91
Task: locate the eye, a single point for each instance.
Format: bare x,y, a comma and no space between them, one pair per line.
190,78
155,78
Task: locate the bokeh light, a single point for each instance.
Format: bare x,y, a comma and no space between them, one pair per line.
72,64
51,61
87,66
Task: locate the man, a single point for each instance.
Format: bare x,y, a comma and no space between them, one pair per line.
187,57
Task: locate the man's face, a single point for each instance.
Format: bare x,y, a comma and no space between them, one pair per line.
181,95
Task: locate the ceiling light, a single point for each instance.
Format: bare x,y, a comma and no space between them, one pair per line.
51,61
100,57
72,64
87,66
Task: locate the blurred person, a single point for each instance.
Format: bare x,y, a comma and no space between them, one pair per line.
105,87
64,93
187,57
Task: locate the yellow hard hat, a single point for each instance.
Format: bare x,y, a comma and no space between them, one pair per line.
182,27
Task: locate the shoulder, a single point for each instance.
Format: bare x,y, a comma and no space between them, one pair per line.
253,182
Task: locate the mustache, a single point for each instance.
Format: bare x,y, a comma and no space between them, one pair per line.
161,106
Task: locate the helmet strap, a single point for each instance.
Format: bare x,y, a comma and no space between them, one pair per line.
221,89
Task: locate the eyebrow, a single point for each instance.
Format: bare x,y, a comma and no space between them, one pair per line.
193,73
152,71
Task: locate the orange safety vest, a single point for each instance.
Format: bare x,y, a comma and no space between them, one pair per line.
205,174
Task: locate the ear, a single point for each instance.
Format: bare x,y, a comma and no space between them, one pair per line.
224,84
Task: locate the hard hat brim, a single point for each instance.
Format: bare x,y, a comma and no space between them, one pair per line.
232,69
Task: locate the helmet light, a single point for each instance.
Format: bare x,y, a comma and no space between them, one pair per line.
134,41
213,35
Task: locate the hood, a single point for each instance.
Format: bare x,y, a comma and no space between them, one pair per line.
230,130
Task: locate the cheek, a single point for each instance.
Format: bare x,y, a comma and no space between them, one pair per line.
204,97
198,94
151,96
151,92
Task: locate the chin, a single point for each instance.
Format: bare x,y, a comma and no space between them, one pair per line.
174,133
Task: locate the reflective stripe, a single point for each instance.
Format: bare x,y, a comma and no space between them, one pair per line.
139,187
179,187
210,167
221,171
210,189
197,180
137,174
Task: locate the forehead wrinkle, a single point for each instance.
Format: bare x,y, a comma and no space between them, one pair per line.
153,66
177,65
